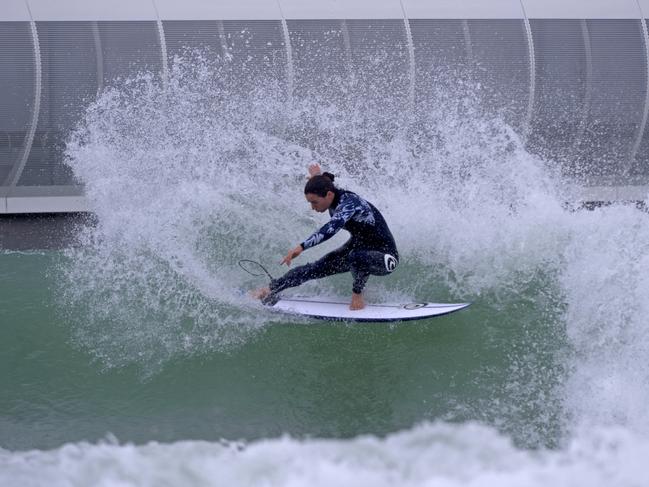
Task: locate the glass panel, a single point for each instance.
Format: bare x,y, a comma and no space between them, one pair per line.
182,35
69,74
619,80
561,79
501,66
320,59
639,170
257,54
440,54
16,92
380,63
129,48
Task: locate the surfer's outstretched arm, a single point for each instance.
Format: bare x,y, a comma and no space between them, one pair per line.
314,170
292,254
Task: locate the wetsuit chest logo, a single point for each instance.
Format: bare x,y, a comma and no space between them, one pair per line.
390,262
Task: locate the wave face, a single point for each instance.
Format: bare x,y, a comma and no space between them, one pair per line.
188,176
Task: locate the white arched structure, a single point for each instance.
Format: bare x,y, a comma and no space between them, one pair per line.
574,70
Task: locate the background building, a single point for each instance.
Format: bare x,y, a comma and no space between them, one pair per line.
572,75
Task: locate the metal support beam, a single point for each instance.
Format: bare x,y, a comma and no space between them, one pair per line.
163,52
532,73
290,76
100,57
222,38
467,41
588,95
411,61
411,66
163,45
348,48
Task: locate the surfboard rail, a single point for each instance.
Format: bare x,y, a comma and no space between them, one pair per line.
336,309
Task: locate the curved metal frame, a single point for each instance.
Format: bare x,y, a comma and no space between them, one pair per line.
16,171
163,45
163,51
100,56
645,113
348,48
467,41
588,95
222,39
411,60
411,68
290,75
532,66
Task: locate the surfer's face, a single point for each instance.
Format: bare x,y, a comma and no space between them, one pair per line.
320,203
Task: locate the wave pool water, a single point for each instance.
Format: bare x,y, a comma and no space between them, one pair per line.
143,331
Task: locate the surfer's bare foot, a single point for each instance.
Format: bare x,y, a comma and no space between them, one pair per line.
357,302
260,293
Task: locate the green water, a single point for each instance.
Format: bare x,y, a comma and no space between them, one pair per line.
496,363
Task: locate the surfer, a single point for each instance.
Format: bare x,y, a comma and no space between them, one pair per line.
370,250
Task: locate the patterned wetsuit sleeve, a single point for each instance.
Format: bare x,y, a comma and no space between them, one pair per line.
342,215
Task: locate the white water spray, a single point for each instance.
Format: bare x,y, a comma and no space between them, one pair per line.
187,179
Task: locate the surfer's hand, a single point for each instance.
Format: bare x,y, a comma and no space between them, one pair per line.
314,169
292,254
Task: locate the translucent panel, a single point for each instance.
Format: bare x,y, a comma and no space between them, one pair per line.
16,92
499,50
69,84
619,83
380,62
321,61
251,54
589,100
257,53
639,168
183,35
561,80
440,54
129,48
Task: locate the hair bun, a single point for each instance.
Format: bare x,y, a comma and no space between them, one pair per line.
328,175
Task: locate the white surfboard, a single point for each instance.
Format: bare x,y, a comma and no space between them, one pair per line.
337,309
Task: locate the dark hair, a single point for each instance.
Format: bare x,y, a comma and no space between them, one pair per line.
320,185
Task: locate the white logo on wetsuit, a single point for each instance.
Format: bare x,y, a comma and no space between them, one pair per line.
390,262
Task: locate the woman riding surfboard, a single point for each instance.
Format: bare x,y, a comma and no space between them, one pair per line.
370,250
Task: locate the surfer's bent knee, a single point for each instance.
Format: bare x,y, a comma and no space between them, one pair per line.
372,261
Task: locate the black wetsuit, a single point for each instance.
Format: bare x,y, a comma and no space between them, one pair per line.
371,250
